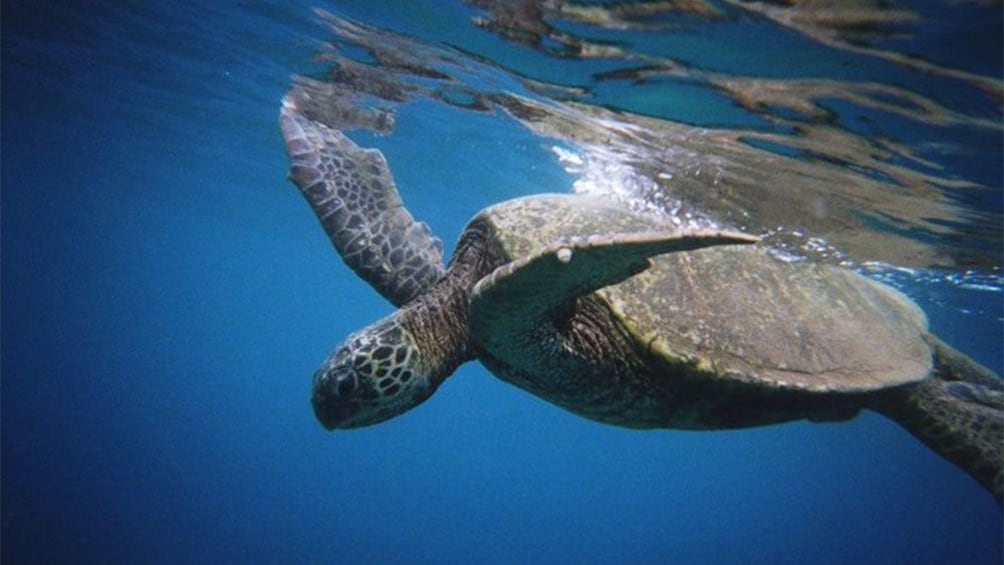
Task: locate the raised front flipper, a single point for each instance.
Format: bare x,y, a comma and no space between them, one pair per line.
518,297
354,196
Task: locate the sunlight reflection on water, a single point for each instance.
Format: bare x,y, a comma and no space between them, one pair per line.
815,182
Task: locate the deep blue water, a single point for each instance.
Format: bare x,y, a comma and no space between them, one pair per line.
166,295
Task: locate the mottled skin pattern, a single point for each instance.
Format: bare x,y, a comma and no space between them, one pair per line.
353,195
374,368
619,319
957,414
363,382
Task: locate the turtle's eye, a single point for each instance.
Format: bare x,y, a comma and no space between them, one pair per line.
335,389
345,385
344,373
338,383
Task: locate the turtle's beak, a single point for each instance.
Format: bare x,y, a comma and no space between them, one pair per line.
332,414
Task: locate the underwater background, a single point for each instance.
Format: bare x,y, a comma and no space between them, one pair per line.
166,293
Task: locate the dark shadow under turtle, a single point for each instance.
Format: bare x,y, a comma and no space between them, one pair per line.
626,319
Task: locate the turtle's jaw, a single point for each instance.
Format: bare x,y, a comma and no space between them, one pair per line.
333,415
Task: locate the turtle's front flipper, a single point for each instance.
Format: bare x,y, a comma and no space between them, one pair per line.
518,297
958,413
353,195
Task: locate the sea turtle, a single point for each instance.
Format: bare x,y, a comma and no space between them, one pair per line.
626,319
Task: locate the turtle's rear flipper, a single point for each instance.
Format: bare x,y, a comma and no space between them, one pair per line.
959,413
354,196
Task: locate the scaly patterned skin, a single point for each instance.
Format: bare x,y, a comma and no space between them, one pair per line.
959,413
522,295
397,363
354,196
371,377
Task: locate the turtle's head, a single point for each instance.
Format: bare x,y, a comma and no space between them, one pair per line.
374,375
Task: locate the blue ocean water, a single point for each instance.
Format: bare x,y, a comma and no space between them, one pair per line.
166,295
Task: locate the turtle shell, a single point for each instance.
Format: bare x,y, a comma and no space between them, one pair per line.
738,312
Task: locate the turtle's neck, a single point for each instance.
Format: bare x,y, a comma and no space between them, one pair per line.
437,320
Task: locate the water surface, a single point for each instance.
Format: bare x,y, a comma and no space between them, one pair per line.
167,294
